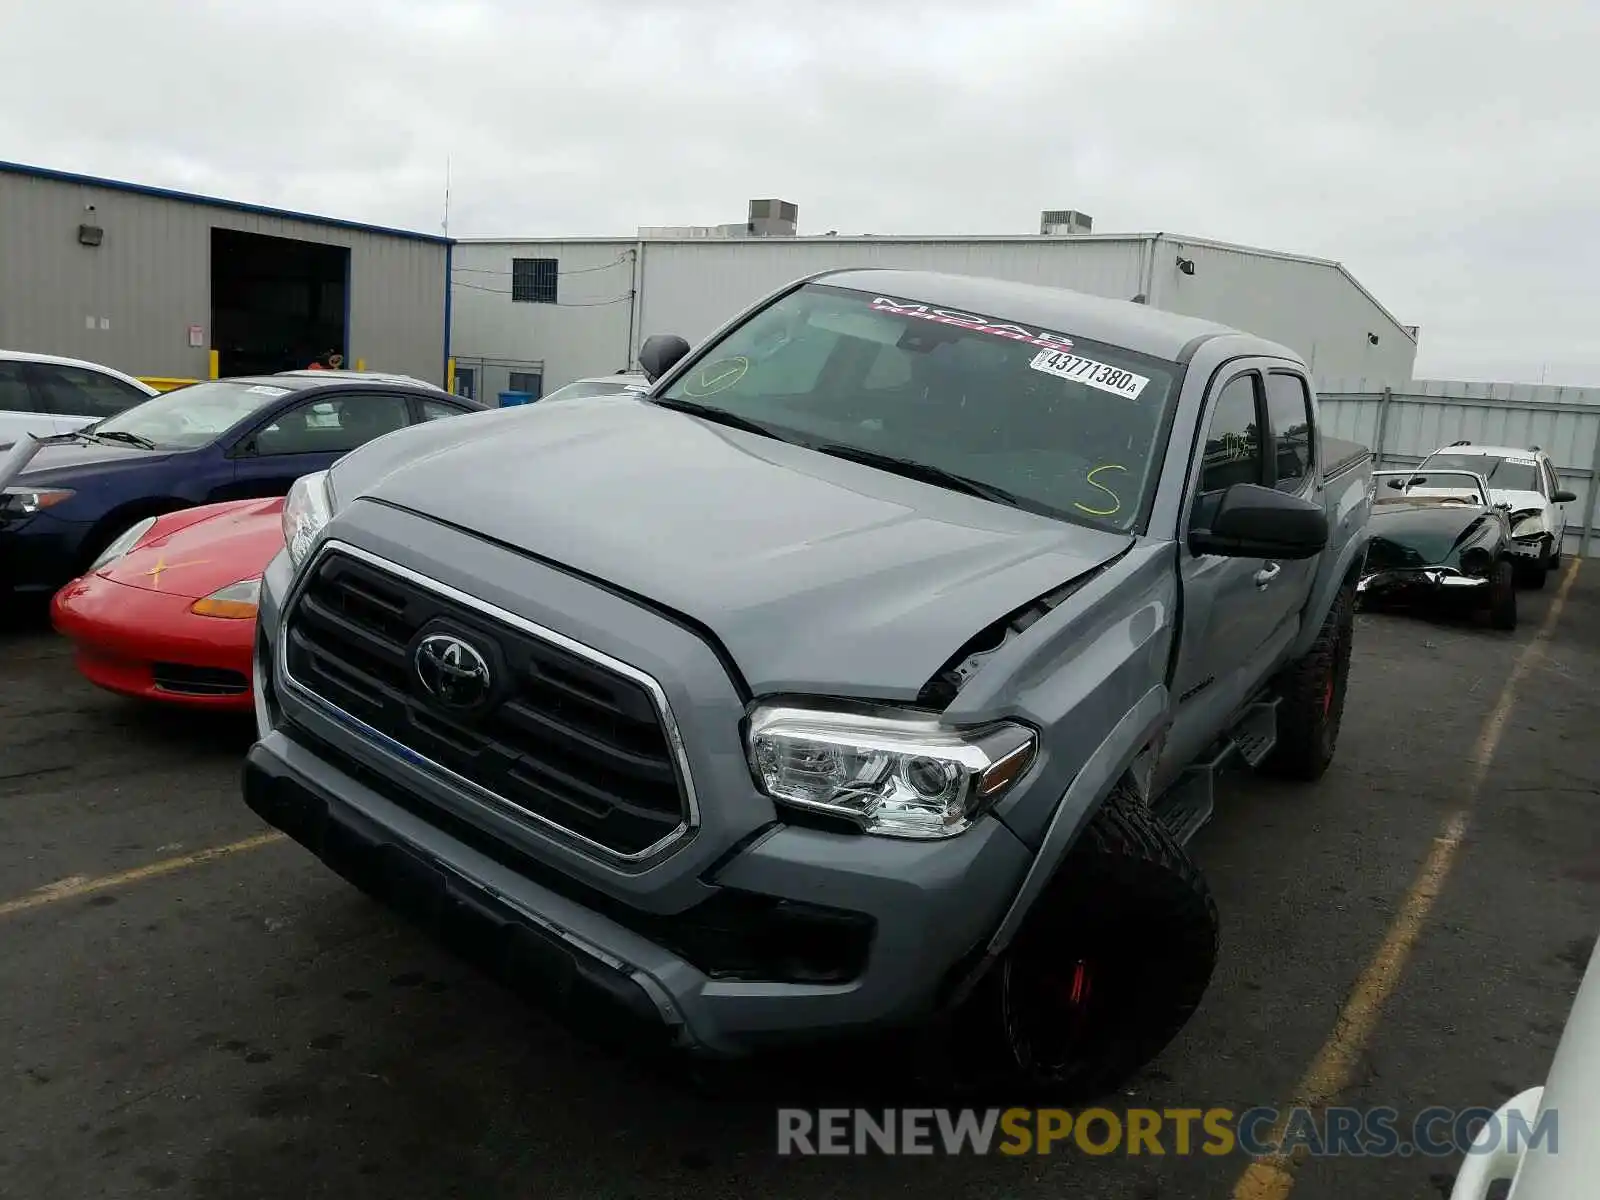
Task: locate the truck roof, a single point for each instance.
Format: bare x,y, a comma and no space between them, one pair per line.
1117,322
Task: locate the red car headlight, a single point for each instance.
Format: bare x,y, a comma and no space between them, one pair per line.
236,602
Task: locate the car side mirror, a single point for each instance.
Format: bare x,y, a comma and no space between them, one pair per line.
1398,485
1564,497
1252,521
660,353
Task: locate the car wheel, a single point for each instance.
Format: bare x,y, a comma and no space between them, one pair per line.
1107,968
1503,596
1311,695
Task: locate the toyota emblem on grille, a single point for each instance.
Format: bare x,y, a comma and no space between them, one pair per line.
452,672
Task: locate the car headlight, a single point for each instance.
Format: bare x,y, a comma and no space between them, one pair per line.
308,507
236,602
121,544
898,777
1527,524
27,501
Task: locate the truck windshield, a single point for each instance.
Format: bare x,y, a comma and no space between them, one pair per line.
1038,418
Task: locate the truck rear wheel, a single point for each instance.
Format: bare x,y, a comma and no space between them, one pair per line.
1311,697
1107,968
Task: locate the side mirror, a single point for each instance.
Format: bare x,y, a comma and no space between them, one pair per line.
1398,485
1251,521
1564,497
660,353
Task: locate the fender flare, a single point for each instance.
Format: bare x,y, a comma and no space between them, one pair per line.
1105,767
1327,585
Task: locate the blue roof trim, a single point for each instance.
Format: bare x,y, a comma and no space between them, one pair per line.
262,210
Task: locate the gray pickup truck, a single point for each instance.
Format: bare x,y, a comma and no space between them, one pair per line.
869,673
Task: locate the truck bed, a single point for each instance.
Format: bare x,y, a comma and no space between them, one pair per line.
1339,456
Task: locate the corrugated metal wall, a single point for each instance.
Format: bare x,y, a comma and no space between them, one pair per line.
690,287
151,279
1314,308
1404,426
584,333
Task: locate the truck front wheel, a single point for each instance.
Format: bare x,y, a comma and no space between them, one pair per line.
1311,696
1107,968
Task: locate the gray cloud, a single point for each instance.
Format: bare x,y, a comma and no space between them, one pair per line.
1445,150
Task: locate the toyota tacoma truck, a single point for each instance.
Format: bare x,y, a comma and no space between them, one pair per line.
867,674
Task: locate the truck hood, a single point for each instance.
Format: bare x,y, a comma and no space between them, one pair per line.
1518,501
816,574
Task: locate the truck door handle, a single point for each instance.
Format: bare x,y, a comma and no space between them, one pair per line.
1267,574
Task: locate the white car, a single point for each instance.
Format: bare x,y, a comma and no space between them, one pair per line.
601,385
1524,482
45,394
1542,1140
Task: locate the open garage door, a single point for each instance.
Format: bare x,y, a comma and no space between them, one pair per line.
277,304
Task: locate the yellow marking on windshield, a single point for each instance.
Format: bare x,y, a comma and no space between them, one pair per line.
718,376
1116,501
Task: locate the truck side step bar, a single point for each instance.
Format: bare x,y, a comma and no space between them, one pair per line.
1185,807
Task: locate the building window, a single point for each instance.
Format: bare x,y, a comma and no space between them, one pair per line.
530,382
533,280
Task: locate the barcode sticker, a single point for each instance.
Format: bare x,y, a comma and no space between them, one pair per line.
1091,373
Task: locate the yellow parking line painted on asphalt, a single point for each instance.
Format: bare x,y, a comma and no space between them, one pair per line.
1272,1178
70,889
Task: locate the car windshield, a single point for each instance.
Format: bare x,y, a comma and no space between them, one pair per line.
1039,419
574,391
1435,486
188,417
1504,474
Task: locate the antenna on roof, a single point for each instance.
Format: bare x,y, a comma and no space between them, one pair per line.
446,225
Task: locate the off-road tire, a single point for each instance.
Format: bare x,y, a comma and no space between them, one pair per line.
1311,692
1129,914
1503,596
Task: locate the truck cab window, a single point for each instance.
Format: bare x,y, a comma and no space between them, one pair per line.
1289,414
1233,439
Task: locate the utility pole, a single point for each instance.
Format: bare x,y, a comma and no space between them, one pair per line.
446,225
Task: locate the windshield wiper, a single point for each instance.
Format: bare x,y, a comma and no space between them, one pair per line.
721,415
121,435
926,472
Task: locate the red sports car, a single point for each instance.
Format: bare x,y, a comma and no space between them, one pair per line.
168,611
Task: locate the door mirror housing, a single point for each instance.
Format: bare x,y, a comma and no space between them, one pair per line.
1252,521
1563,496
660,353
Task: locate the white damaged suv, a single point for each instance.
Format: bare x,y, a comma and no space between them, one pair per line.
1526,484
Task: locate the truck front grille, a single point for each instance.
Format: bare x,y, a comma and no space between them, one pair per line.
551,731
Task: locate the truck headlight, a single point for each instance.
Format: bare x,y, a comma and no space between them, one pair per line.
893,776
307,508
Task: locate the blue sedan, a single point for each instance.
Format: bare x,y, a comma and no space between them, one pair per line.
225,439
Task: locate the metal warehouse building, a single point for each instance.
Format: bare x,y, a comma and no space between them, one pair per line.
168,285
532,315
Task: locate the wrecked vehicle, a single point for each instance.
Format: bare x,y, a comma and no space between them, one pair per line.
868,674
1439,540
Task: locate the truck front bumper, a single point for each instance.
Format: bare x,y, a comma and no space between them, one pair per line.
604,947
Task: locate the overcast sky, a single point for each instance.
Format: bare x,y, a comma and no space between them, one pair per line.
1447,151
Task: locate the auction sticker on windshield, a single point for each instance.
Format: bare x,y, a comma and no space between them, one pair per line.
1093,374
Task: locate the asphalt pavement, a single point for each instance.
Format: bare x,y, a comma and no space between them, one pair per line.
244,1024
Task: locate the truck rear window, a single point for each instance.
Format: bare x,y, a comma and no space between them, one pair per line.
1067,426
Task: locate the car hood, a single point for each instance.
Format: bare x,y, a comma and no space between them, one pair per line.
194,552
815,573
1421,535
60,462
1518,501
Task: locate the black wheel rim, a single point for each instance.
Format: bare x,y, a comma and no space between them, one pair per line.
1049,1007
